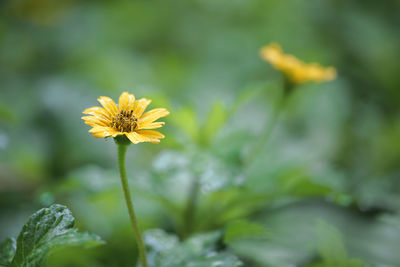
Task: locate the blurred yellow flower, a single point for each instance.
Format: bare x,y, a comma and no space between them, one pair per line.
125,119
296,70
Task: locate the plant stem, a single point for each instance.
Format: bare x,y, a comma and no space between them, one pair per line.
121,164
190,209
271,125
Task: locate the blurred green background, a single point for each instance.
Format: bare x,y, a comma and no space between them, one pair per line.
325,187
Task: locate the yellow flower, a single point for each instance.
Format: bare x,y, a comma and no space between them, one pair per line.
296,70
125,119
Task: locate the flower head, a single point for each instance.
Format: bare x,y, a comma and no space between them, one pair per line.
296,70
127,118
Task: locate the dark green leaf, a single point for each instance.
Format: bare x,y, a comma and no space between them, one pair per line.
7,251
331,247
244,229
198,251
48,229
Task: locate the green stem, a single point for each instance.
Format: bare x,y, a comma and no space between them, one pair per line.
190,209
271,125
121,164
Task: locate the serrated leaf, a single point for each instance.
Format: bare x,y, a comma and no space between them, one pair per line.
7,251
164,250
46,230
244,229
331,247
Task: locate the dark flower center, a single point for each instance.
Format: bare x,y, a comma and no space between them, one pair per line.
124,121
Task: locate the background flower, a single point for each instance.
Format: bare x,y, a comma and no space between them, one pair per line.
293,68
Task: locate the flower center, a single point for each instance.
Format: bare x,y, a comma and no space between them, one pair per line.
124,121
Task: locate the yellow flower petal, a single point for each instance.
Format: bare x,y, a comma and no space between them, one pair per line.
293,68
95,121
271,53
140,106
151,134
135,138
100,135
108,104
96,111
153,115
144,136
152,125
126,101
101,131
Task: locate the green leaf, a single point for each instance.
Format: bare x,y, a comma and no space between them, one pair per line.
46,230
256,90
7,251
330,243
244,229
216,118
6,113
164,250
186,120
227,205
296,182
331,247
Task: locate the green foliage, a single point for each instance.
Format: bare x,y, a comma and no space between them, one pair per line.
216,118
187,121
332,249
46,230
198,251
7,251
297,183
244,229
201,133
6,113
334,153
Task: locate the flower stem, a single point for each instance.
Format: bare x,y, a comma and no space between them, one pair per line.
121,164
190,209
287,88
